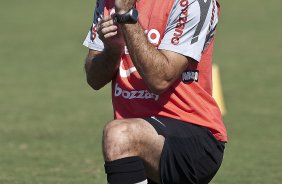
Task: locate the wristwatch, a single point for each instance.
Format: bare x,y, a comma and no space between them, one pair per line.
129,17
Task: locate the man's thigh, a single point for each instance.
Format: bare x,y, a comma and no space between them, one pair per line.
141,140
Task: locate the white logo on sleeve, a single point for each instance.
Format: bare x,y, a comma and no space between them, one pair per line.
125,73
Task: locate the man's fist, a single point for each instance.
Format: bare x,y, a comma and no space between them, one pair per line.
110,33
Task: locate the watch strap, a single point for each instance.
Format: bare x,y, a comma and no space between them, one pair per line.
130,17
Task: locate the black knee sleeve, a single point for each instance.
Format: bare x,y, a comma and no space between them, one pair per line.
128,170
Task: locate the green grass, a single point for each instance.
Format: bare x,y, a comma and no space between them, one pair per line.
51,121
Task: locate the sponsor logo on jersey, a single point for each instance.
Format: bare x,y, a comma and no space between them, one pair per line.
190,75
141,94
123,72
153,36
180,22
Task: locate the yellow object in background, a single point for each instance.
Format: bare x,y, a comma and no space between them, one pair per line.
217,89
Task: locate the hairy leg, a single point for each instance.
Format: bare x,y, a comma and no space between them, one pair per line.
134,137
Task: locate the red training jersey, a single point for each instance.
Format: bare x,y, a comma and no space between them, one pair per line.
182,26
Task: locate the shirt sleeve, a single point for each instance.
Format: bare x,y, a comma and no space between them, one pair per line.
92,40
190,27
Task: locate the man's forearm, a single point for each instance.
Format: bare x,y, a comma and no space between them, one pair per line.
153,65
101,68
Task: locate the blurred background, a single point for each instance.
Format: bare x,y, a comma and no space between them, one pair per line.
51,121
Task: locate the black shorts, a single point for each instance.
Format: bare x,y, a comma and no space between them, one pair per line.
191,154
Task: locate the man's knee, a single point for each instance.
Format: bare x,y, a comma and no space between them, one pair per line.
119,139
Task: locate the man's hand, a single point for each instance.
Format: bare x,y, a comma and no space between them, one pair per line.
101,67
110,34
122,6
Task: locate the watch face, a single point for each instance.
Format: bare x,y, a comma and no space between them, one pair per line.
134,14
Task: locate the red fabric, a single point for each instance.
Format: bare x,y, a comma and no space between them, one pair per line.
190,102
